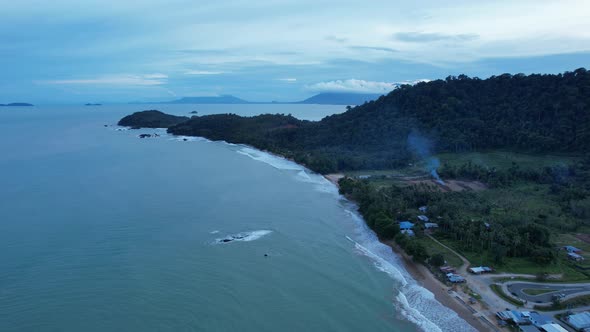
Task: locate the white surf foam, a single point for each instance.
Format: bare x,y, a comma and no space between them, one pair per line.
189,139
413,301
272,160
300,173
243,237
214,232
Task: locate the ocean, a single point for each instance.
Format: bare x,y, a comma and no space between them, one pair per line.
103,231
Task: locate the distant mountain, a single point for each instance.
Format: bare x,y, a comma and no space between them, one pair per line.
92,104
340,98
17,104
225,99
322,99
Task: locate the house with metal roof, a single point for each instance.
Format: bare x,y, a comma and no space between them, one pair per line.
572,249
575,257
539,320
430,225
423,218
579,321
405,225
553,328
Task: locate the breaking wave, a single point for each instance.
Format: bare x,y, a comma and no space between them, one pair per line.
243,237
300,173
413,301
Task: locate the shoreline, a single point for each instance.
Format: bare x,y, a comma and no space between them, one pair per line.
425,279
418,271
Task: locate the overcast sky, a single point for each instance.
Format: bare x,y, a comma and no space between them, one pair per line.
118,51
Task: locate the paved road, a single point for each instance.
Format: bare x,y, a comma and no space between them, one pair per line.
566,289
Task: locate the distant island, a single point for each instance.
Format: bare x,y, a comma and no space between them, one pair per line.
319,99
225,99
151,119
17,105
92,104
340,99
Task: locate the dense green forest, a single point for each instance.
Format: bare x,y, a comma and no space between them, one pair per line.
535,113
476,223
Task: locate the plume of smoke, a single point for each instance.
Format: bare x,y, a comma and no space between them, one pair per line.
422,147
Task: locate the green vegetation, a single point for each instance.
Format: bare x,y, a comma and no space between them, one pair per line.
151,119
534,292
535,113
579,301
534,132
498,290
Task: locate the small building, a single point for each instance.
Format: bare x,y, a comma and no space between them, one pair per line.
579,321
575,257
539,320
430,225
423,218
515,317
480,269
405,225
528,328
572,249
423,209
552,328
455,278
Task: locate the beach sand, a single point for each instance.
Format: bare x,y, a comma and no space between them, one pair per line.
421,274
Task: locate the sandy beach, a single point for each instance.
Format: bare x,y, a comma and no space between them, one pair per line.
421,274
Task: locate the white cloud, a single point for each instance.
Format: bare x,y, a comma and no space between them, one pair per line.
125,80
352,85
203,72
288,80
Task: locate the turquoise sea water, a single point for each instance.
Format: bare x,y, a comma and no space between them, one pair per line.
103,231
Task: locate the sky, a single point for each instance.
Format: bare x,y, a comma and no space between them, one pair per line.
72,51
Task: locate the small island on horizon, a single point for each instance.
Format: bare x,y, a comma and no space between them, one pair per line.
326,98
16,105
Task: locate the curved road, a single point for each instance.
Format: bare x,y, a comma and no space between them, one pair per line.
567,290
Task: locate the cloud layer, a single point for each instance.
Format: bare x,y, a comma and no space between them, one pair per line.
248,47
352,86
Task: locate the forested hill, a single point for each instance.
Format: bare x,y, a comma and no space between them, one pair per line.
536,113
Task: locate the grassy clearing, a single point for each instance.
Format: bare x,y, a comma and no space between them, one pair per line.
534,292
521,265
434,248
504,159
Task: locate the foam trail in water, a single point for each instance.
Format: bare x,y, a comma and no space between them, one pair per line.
244,237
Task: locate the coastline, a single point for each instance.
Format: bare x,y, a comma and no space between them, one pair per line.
425,278
418,271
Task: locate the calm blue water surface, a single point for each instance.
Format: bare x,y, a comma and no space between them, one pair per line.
103,231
